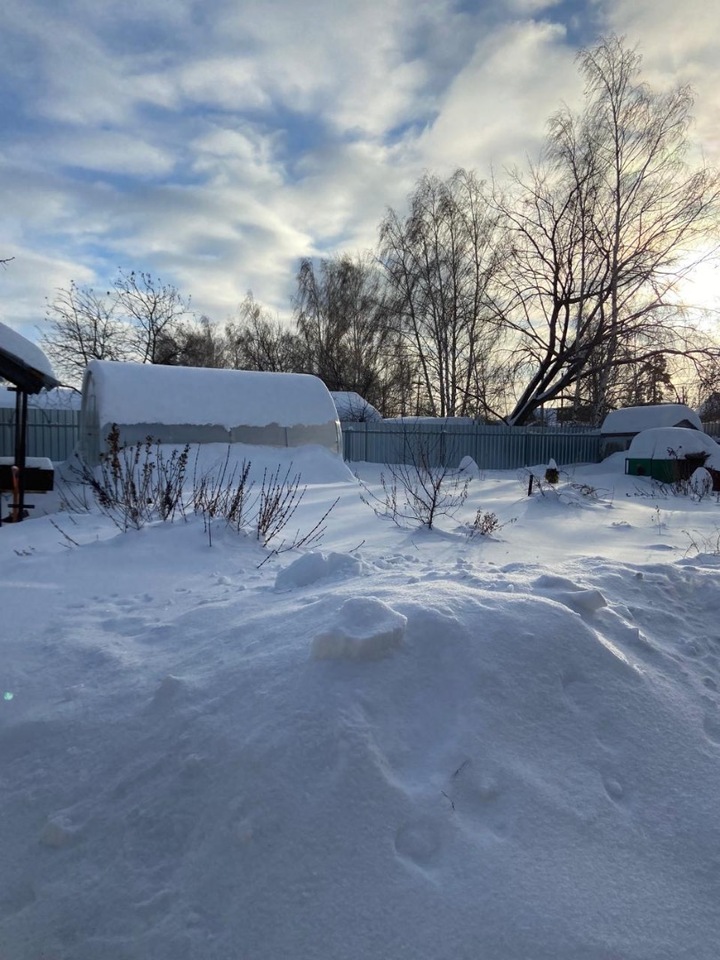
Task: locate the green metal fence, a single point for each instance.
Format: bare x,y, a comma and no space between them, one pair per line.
446,443
51,432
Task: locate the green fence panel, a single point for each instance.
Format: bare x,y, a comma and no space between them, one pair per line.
491,447
51,433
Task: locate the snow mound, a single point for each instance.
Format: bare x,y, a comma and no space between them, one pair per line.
365,629
58,832
315,566
701,482
469,468
583,601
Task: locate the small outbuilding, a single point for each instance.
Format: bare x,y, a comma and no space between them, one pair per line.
620,426
669,454
179,405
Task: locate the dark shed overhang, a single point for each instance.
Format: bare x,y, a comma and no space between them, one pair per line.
25,366
24,377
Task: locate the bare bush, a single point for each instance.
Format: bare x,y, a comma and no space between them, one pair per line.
225,492
279,498
134,485
417,492
487,523
703,543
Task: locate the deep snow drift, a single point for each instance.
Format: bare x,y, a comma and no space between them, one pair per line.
400,744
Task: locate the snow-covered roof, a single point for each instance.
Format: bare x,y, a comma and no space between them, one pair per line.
634,419
23,362
351,406
134,393
663,443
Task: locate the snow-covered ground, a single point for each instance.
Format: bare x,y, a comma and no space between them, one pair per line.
403,744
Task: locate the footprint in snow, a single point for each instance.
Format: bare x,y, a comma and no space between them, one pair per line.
613,788
419,842
711,727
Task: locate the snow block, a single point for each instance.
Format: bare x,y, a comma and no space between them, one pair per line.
365,629
312,567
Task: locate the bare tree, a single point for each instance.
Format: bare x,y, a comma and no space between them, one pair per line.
603,231
154,311
440,261
257,341
82,326
342,323
139,319
193,344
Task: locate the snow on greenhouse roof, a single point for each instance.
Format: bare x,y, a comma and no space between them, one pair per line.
351,406
148,393
635,419
662,443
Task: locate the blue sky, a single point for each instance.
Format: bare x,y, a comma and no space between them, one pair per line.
216,142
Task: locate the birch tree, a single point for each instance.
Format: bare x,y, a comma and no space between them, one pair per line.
440,260
603,231
342,323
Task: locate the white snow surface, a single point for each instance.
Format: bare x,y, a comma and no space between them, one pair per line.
635,419
24,350
401,743
38,463
149,393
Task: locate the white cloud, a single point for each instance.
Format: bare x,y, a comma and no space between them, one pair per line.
229,83
498,107
216,143
111,152
680,43
22,306
531,7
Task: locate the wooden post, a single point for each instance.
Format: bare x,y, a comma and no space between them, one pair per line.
21,407
16,515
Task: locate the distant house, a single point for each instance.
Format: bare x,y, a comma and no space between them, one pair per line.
179,405
620,426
